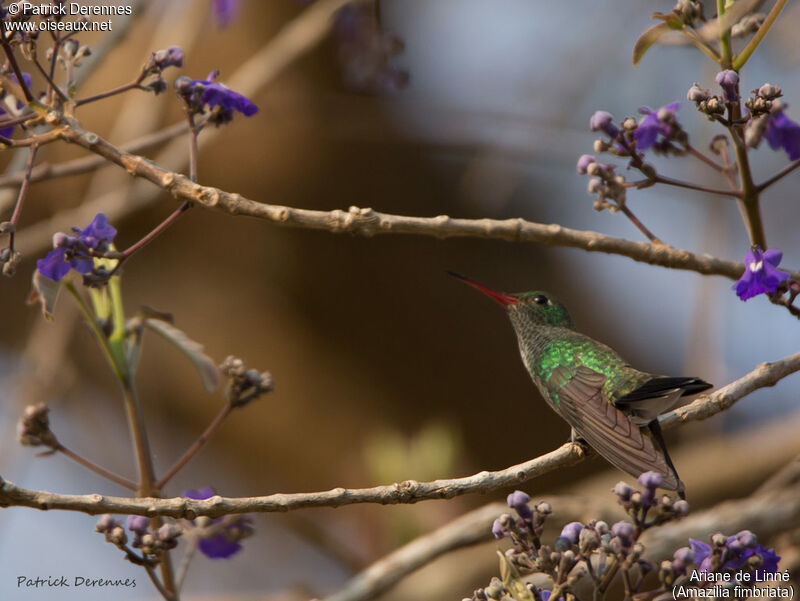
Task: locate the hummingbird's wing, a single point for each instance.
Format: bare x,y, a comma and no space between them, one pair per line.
659,395
579,393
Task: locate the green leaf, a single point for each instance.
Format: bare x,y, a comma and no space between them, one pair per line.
648,38
45,292
512,580
192,349
671,19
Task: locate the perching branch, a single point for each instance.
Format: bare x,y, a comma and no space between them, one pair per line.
366,222
410,491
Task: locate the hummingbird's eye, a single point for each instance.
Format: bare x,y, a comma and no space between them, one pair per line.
540,299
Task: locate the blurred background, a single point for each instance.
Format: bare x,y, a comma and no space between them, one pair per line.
385,368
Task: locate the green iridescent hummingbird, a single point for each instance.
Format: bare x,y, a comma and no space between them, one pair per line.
607,402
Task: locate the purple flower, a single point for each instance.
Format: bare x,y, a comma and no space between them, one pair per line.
784,133
225,11
736,557
7,132
603,121
728,80
207,92
761,274
655,123
69,252
223,542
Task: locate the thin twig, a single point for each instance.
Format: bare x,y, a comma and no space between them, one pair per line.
782,173
661,179
707,160
183,569
197,445
124,482
157,583
410,491
23,193
640,226
102,95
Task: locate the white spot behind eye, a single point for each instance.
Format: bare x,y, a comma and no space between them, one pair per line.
756,265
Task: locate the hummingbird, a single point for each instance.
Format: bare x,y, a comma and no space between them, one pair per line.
609,404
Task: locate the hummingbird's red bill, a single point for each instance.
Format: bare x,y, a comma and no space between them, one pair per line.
500,297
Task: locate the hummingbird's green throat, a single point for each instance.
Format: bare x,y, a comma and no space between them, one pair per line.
605,400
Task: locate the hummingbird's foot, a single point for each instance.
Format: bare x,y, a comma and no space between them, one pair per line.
577,438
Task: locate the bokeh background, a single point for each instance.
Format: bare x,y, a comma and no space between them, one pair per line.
385,368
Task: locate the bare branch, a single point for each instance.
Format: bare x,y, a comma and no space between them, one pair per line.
367,222
410,491
45,171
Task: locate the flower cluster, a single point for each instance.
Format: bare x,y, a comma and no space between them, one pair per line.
586,557
152,543
604,183
658,130
643,504
201,95
33,428
77,251
244,385
219,538
155,65
734,554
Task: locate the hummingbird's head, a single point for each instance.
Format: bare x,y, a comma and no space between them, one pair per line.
535,308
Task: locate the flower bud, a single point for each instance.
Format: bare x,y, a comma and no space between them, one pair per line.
680,507
728,80
622,490
138,524
171,57
603,121
105,523
168,535
583,163
622,529
769,91
117,536
747,538
697,94
572,531
651,479
497,529
183,85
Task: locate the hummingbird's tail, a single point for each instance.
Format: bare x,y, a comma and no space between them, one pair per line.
655,429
